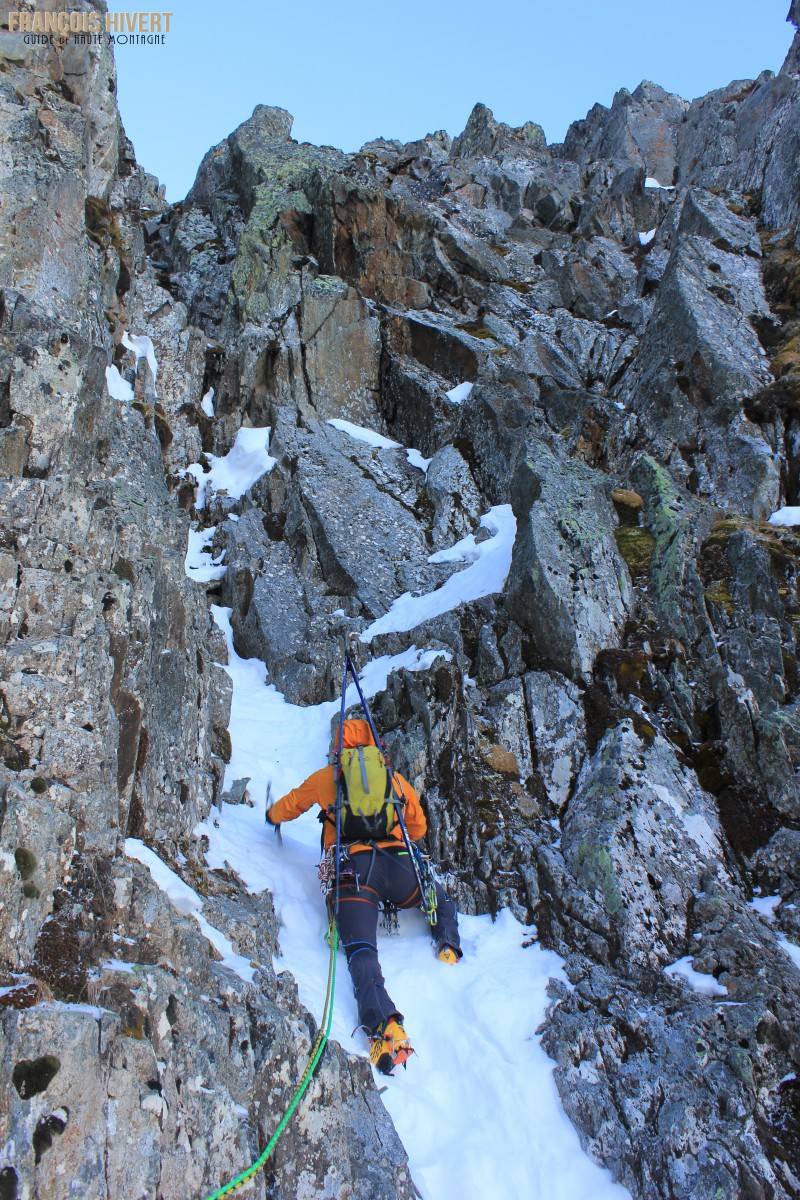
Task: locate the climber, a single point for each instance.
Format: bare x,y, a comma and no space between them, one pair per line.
371,871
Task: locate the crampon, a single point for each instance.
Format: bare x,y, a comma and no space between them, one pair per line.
390,1047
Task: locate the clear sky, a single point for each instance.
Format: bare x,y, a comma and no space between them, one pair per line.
351,72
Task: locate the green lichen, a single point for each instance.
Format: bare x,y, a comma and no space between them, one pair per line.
327,285
136,1029
636,546
596,874
724,530
782,545
477,329
101,225
719,593
643,730
221,743
666,507
280,176
741,1065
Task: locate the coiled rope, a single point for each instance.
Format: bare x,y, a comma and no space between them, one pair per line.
316,1053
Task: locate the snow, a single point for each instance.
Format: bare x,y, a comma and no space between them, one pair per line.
458,395
237,471
118,388
416,460
791,949
187,902
706,985
89,1010
142,347
267,747
207,403
650,182
786,516
362,434
766,905
478,1063
646,238
200,566
489,564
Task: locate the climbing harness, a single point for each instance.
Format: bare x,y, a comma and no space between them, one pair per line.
315,1056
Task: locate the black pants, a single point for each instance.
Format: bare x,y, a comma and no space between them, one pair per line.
382,874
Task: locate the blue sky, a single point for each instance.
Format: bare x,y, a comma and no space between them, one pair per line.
351,73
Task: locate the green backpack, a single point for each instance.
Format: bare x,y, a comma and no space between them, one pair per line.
368,797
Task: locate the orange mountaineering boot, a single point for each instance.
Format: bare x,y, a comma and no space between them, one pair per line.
447,954
390,1046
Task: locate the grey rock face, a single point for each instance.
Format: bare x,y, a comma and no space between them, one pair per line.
611,1042
159,1056
159,1070
790,66
641,127
569,588
630,803
559,732
457,504
334,316
700,357
610,891
484,136
358,526
593,279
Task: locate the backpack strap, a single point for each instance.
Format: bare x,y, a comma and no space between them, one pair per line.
363,765
393,795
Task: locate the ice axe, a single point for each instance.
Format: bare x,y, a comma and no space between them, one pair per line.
268,806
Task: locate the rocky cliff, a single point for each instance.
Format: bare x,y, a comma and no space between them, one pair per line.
610,746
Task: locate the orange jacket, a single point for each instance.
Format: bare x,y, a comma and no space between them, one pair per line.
320,788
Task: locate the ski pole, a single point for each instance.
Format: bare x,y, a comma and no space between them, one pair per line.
412,855
338,777
398,809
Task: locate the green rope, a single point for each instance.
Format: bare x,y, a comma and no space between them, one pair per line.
316,1054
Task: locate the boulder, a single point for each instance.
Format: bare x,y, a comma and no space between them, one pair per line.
699,359
451,489
484,136
630,798
569,588
342,349
640,128
559,733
